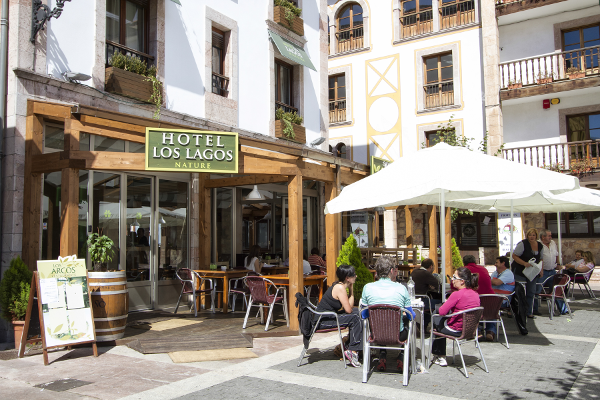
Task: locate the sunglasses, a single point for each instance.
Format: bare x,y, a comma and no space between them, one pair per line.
456,278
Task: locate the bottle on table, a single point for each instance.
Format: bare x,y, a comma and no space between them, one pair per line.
411,288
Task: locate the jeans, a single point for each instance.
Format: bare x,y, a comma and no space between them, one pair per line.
354,324
530,288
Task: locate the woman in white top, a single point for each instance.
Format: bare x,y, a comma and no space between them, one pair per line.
252,261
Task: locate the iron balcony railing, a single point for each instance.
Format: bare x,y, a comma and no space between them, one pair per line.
550,67
557,156
457,14
112,47
417,23
439,94
220,84
350,39
285,107
337,111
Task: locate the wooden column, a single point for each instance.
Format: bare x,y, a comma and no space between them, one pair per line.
432,216
204,228
69,198
409,228
448,244
331,234
295,225
32,192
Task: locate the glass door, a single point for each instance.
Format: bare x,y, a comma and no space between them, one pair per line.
308,227
141,271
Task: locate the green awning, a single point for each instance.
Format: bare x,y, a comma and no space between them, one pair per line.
291,51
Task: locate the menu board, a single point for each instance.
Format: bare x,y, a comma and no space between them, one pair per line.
65,302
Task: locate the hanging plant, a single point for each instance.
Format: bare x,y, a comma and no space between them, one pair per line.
291,11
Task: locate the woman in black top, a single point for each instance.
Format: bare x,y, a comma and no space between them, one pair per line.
339,298
527,249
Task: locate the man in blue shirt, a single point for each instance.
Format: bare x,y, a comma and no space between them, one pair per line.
387,291
503,282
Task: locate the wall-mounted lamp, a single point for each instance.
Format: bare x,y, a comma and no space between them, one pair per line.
317,141
41,13
75,77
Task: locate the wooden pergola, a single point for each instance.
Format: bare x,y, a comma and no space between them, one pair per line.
261,161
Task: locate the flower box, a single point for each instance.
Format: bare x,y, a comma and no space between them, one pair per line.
299,132
577,75
515,86
297,24
129,84
543,81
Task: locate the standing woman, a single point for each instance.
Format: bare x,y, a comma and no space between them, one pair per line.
527,249
339,298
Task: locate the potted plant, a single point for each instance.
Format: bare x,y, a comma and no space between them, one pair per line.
350,255
14,295
130,76
575,73
288,125
101,250
287,14
545,77
514,84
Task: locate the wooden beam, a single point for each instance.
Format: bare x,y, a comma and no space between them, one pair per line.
69,223
268,154
548,88
505,9
331,234
107,160
245,180
295,229
433,228
53,162
32,192
448,244
71,142
122,126
204,228
51,109
409,228
109,132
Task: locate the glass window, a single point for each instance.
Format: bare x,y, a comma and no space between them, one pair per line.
82,231
224,225
113,24
172,227
137,147
126,24
106,209
283,83
583,127
577,224
102,143
84,141
51,216
134,26
54,138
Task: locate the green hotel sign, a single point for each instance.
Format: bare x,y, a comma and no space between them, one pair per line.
181,150
377,164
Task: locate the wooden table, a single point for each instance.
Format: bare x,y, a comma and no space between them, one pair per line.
274,270
284,280
225,276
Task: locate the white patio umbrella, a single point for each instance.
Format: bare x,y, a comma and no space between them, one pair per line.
443,172
579,200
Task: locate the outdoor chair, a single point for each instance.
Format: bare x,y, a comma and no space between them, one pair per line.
237,288
259,297
561,282
186,277
381,330
583,278
471,318
313,309
492,303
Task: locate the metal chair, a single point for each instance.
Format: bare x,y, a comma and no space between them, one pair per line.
583,278
492,303
259,294
561,282
186,277
313,309
381,330
471,318
237,288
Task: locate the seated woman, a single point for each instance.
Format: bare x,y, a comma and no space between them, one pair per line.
252,261
463,298
583,267
339,298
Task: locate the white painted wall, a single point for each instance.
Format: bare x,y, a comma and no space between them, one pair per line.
381,31
185,63
70,39
535,36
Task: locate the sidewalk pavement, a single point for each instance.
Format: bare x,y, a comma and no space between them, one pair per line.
558,359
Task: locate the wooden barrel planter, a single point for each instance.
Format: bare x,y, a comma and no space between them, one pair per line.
110,302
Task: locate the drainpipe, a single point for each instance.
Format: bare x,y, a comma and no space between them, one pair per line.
3,78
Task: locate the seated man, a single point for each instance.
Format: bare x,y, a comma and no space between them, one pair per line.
387,291
485,283
577,261
315,259
427,284
503,282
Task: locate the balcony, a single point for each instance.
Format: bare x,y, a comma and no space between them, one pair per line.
112,47
337,111
505,7
350,39
461,13
550,73
578,158
439,17
417,23
439,94
220,84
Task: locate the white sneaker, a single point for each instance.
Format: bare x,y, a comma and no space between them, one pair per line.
441,361
352,358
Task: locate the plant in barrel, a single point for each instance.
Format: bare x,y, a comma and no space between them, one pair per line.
101,250
14,295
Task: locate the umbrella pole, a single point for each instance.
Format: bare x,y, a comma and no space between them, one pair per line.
512,230
443,242
559,239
